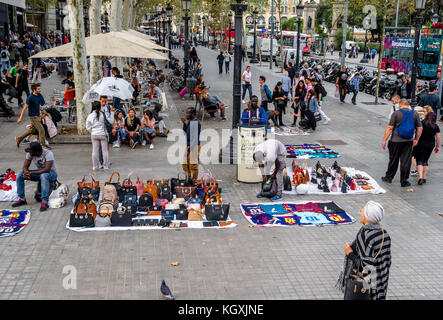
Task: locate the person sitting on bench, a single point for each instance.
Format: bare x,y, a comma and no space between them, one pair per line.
45,174
213,103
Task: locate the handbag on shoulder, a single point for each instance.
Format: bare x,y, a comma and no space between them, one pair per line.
357,287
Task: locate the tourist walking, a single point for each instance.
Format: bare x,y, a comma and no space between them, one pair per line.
355,86
21,83
246,83
286,83
95,124
369,255
320,93
403,126
341,81
228,60
265,93
431,99
405,90
33,103
280,101
429,141
220,59
299,99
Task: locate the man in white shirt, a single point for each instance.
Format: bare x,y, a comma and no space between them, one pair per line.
268,154
246,83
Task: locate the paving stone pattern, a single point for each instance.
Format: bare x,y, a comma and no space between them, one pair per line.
238,263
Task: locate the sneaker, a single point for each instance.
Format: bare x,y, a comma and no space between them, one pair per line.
115,144
131,143
405,184
387,180
19,203
243,101
144,143
17,142
420,182
162,135
25,141
326,121
277,197
100,166
44,207
223,119
259,195
135,144
414,172
151,146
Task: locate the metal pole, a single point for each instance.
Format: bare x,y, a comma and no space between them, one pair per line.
298,43
169,41
229,37
186,60
254,52
164,33
364,60
396,15
345,24
272,35
238,8
418,21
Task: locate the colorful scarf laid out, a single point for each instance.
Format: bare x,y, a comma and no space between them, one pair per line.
309,151
295,213
13,221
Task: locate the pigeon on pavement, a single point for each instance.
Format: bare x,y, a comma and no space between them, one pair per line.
166,292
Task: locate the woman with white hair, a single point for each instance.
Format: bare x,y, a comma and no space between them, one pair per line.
369,254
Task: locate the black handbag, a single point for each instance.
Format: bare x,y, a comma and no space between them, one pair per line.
165,192
217,212
181,214
88,189
83,215
146,200
287,185
177,182
128,188
356,287
130,203
121,218
269,188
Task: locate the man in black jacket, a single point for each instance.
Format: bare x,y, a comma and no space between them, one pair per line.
431,99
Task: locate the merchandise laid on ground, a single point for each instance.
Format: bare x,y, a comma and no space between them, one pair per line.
309,151
13,221
288,131
295,213
175,203
8,186
334,180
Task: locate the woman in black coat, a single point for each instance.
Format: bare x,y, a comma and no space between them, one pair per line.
279,98
299,98
405,90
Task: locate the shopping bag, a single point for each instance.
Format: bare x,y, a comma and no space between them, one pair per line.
183,92
337,94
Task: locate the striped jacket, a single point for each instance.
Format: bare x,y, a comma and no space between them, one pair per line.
365,248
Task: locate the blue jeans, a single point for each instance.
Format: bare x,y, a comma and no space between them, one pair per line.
227,66
116,104
220,67
44,178
5,65
246,86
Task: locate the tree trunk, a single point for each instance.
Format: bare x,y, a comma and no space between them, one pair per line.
95,28
126,13
116,25
380,57
77,30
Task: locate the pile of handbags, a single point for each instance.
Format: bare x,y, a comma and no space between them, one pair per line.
158,202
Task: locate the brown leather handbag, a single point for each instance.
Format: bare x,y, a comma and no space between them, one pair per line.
117,185
89,188
186,192
195,215
152,189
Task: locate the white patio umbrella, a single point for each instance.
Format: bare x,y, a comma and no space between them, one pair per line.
111,87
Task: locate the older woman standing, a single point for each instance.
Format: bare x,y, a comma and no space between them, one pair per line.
370,252
429,141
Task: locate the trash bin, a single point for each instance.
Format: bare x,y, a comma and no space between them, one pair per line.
249,136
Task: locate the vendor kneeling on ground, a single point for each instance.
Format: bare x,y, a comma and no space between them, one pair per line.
267,154
45,174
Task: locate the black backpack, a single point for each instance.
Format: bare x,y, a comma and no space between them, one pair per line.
3,55
145,201
165,192
322,90
55,115
130,203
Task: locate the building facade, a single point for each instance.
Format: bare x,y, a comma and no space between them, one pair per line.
12,18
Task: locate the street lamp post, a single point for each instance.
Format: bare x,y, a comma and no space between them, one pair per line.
229,34
169,14
254,52
186,8
323,30
300,7
238,9
419,8
163,14
434,20
271,59
364,59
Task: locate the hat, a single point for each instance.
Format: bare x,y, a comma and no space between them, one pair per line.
34,147
374,212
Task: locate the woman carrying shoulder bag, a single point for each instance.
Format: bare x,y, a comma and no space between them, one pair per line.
95,124
368,258
280,101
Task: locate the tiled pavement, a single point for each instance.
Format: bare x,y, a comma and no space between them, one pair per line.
238,263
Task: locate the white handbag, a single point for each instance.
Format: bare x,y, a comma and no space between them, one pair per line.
56,203
172,206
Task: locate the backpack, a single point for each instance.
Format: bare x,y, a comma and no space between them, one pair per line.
55,115
268,92
3,55
406,129
323,91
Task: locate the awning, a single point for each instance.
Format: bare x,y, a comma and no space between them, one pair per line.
15,3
